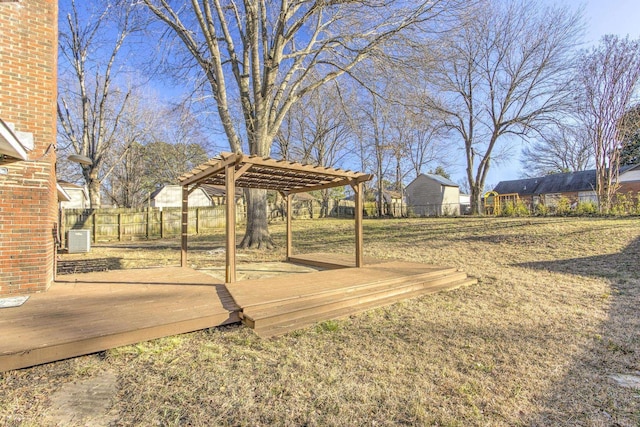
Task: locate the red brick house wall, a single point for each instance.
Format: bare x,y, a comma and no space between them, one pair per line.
28,197
629,186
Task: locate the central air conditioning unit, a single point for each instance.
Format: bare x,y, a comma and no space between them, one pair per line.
78,241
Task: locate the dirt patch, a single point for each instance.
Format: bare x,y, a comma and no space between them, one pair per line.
84,402
258,270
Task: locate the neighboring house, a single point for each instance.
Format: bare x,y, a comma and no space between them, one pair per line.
78,196
170,196
629,179
218,194
303,205
431,194
63,196
28,191
392,197
394,203
574,186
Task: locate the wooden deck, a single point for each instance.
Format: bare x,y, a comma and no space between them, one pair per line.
90,312
276,305
86,313
328,261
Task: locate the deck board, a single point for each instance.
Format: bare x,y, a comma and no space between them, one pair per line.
274,306
330,261
89,312
270,290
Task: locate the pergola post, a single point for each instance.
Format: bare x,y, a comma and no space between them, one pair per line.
184,226
289,196
357,188
230,184
286,177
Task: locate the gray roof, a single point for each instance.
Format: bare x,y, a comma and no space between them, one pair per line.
628,167
568,182
156,192
554,183
519,186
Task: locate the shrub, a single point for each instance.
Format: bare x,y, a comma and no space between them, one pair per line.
507,209
541,209
521,209
625,204
563,207
588,207
517,208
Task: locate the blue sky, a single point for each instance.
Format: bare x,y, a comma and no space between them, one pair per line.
621,17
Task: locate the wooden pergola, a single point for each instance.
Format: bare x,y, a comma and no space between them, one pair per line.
288,178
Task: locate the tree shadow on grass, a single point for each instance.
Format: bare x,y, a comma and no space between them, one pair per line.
588,393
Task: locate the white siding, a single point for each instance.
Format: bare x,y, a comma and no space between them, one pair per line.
171,197
427,196
78,199
450,201
629,176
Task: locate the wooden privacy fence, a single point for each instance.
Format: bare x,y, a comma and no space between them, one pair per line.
121,224
135,224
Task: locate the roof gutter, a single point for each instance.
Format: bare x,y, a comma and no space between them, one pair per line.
14,144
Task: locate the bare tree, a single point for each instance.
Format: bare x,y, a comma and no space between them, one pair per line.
91,107
145,168
158,143
375,135
316,131
562,148
503,73
608,78
268,55
126,185
425,144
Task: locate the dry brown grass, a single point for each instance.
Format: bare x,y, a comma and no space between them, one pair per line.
554,314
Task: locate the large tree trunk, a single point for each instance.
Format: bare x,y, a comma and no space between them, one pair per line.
324,209
476,200
94,190
257,231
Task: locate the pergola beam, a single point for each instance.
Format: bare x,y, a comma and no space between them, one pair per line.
288,178
208,168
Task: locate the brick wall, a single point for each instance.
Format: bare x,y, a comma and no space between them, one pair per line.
28,197
629,186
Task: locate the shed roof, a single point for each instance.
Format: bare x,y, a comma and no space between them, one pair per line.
68,185
219,190
438,178
270,174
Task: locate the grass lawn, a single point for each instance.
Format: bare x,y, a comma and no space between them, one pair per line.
538,341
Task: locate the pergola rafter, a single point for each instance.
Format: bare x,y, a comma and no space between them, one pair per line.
238,170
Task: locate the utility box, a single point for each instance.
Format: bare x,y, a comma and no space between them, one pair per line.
78,241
